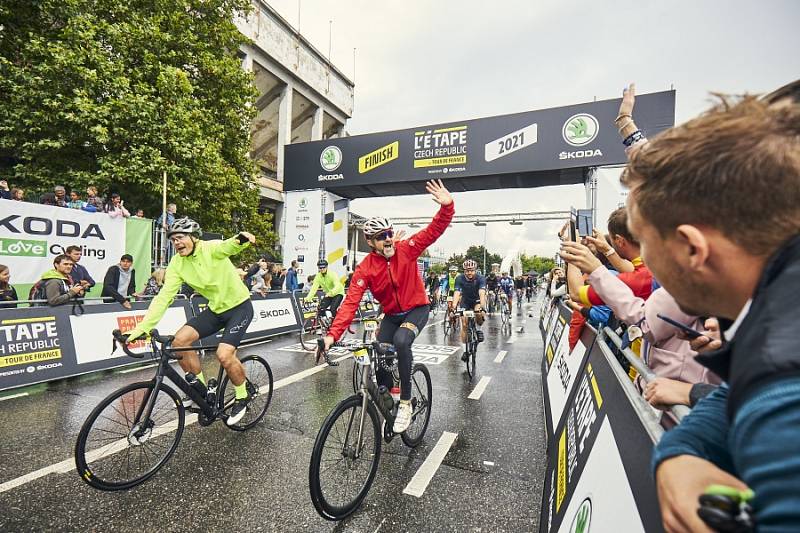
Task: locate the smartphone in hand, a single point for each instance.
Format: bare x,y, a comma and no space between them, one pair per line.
689,332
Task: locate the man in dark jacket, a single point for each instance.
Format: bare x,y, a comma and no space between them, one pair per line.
58,287
291,277
716,205
79,273
120,282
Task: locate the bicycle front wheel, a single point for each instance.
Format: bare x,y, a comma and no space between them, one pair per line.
342,469
118,448
259,387
421,400
358,375
470,347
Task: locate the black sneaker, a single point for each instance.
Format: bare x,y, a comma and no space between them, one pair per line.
465,356
479,334
238,411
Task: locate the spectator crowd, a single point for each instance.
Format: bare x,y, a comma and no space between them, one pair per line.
699,274
112,204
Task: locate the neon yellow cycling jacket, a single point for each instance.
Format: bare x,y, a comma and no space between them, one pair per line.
330,284
209,272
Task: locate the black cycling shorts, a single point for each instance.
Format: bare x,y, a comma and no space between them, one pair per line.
234,323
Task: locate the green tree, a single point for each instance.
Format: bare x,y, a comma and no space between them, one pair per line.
112,94
475,252
536,263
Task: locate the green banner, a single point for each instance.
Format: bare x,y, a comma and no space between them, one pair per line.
139,243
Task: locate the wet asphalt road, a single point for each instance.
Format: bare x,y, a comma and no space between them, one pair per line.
490,479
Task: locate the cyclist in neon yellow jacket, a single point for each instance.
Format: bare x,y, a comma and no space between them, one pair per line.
205,267
331,285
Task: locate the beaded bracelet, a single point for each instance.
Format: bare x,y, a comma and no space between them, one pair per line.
633,137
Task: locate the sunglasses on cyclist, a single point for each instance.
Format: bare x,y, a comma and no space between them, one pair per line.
388,234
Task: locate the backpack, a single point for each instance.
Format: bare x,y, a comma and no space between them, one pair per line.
38,291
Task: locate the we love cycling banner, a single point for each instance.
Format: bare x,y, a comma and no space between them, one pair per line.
32,235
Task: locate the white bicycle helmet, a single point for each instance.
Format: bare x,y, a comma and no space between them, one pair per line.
453,268
470,264
376,225
184,225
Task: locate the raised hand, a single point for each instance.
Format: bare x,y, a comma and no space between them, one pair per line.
628,99
440,194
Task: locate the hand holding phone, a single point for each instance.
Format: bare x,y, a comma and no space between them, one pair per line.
689,332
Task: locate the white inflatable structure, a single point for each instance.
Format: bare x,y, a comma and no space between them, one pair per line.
512,263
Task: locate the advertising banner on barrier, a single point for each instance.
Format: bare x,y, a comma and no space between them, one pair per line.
32,235
598,476
272,315
46,343
524,145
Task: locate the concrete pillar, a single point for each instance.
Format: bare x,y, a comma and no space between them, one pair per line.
284,126
316,125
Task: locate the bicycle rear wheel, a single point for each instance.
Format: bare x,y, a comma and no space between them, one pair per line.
259,386
341,472
116,449
421,401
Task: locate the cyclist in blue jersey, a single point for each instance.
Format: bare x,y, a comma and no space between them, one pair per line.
506,285
470,292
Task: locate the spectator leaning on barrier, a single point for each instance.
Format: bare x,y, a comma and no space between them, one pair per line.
61,195
79,273
291,277
8,295
57,282
17,194
139,214
154,283
48,198
92,199
171,210
737,258
120,282
116,207
5,194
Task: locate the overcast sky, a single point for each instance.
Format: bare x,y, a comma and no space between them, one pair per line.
425,62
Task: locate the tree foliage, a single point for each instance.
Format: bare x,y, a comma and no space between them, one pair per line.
475,253
112,94
536,263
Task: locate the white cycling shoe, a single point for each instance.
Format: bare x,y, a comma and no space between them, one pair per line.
403,418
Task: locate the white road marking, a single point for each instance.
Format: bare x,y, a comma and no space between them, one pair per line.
379,526
477,391
488,463
68,465
18,395
500,356
510,340
432,324
418,484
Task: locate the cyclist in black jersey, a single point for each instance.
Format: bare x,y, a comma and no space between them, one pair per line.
470,293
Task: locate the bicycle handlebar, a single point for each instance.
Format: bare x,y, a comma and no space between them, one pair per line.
122,338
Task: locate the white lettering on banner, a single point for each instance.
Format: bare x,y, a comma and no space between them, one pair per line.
92,331
513,142
580,154
585,412
560,383
305,208
31,235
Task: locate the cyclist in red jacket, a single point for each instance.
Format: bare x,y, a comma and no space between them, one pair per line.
390,272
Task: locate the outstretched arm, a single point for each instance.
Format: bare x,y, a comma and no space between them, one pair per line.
424,238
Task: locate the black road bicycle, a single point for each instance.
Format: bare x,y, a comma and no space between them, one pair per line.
134,431
471,344
348,446
505,315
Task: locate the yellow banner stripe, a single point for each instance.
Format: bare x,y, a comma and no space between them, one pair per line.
440,161
597,396
335,255
27,358
445,130
28,320
561,484
338,225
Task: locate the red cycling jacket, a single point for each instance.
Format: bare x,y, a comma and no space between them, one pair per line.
394,282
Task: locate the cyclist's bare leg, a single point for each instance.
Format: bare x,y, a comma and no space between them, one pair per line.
479,316
226,353
189,362
463,329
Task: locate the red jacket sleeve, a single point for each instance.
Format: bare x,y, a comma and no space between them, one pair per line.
346,312
427,236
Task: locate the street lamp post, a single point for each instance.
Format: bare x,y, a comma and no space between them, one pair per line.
484,244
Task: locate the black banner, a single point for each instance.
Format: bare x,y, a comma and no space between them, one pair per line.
529,149
46,343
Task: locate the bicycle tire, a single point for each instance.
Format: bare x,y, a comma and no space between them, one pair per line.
422,401
260,387
470,346
92,462
348,411
358,375
308,337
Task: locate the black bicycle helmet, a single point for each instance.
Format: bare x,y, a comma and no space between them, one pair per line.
322,264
